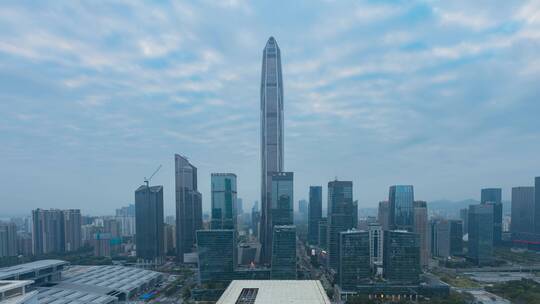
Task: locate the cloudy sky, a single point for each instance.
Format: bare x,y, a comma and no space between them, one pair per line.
94,95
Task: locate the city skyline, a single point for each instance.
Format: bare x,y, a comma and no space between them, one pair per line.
395,107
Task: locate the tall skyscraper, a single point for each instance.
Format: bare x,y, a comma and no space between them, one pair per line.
302,211
464,216
271,135
47,231
283,253
149,223
401,199
223,201
314,214
281,203
480,243
456,237
493,196
522,223
341,216
354,259
8,239
255,219
323,233
72,229
188,206
421,228
217,255
375,243
401,256
384,214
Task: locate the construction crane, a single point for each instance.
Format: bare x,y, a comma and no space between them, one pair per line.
147,180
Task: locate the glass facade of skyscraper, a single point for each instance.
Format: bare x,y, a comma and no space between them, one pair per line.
223,200
354,259
401,200
342,216
149,223
284,253
401,254
216,255
314,214
480,244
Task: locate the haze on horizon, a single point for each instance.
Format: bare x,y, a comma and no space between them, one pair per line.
94,96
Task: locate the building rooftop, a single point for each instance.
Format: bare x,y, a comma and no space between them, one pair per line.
103,279
67,296
273,291
27,267
15,292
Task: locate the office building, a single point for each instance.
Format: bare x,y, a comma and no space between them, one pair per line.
47,231
255,219
302,211
354,259
375,243
72,229
272,291
493,196
283,253
281,199
323,233
480,244
8,239
464,217
271,135
421,228
401,205
223,201
239,206
456,237
169,240
216,255
149,223
314,214
447,238
188,206
522,223
101,242
342,216
401,256
128,210
384,214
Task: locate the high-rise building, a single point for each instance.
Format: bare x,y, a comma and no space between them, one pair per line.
188,206
314,214
112,226
401,256
281,199
271,135
480,242
47,231
447,238
375,243
216,255
323,233
421,228
129,210
239,206
384,214
101,242
223,201
303,210
149,223
401,200
168,239
522,223
72,229
255,219
8,239
464,216
493,196
284,253
127,225
354,259
342,216
456,237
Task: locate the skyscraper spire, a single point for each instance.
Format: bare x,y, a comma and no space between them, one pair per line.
271,135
